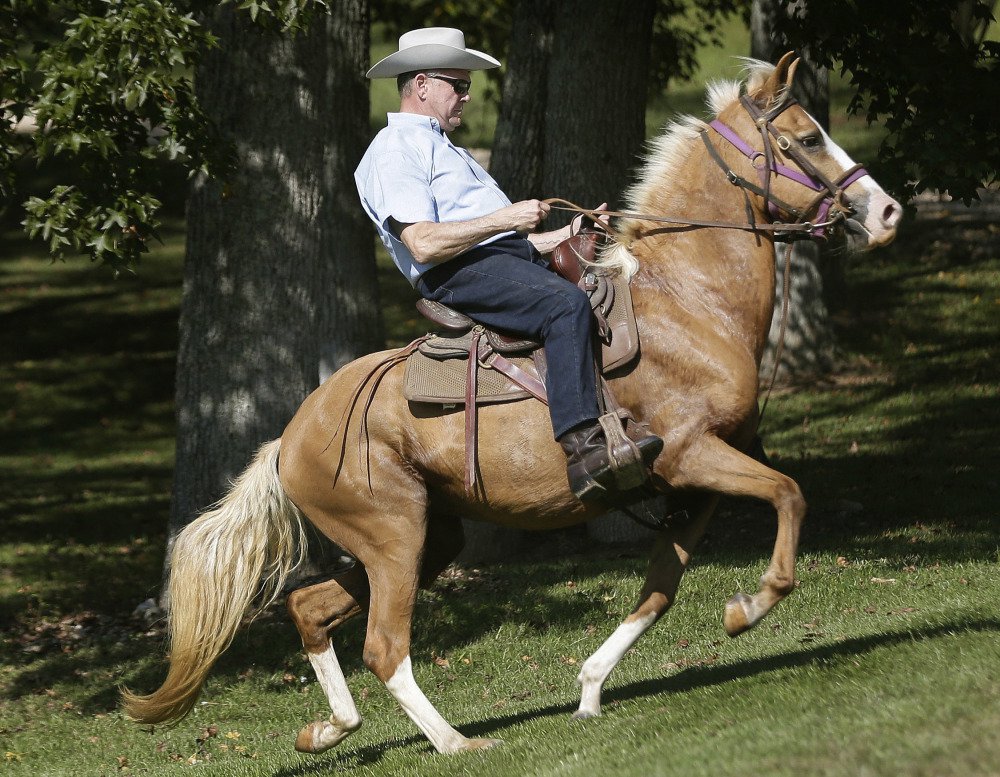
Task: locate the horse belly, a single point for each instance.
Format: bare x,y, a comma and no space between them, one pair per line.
520,469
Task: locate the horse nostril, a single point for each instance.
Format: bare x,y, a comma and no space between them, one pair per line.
891,214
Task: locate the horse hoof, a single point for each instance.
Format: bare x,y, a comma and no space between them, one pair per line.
319,736
586,715
481,744
735,619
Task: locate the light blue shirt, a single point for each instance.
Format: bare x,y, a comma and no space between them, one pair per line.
413,172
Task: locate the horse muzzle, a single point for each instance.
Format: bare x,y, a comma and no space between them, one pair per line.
874,221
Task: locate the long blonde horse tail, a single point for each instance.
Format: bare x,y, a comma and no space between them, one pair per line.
226,566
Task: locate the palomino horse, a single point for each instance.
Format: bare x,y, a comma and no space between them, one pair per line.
384,480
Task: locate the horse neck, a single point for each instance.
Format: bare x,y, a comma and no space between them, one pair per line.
727,273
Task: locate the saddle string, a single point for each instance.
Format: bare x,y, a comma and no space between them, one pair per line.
374,377
472,415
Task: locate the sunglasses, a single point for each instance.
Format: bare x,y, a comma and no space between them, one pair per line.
460,85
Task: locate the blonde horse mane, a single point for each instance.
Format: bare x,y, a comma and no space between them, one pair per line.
667,152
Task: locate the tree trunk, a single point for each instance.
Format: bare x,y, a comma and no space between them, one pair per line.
810,345
519,142
279,275
596,110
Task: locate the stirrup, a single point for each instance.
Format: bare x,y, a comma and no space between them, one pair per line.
624,456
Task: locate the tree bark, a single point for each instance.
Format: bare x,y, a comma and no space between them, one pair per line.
596,111
810,346
279,274
519,141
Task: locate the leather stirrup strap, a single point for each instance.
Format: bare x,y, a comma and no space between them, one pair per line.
471,431
626,461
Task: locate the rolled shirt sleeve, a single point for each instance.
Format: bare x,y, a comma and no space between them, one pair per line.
412,172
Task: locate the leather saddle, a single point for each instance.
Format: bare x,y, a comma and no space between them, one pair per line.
509,368
469,364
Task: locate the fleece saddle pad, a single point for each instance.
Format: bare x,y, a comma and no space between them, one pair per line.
443,382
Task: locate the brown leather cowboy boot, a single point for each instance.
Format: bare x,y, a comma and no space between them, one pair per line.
589,462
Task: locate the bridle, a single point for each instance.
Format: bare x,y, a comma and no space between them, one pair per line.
830,206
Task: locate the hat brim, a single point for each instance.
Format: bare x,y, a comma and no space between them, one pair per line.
431,55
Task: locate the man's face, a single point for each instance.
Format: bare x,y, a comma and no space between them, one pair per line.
444,103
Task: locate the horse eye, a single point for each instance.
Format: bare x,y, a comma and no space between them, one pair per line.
812,141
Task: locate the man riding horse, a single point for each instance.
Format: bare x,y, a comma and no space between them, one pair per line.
382,478
460,241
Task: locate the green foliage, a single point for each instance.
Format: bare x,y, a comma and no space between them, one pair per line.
109,85
681,29
284,15
925,71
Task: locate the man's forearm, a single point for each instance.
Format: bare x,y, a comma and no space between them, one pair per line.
546,242
432,242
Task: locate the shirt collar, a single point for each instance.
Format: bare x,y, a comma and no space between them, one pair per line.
414,120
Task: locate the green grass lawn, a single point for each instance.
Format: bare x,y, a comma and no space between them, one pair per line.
882,662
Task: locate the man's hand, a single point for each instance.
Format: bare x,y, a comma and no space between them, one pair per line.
526,215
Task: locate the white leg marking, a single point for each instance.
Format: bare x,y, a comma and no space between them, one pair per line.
406,691
597,668
331,678
344,717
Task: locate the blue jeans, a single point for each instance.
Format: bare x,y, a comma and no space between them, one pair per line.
506,285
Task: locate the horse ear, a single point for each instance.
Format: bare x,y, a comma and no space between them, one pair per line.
790,76
779,83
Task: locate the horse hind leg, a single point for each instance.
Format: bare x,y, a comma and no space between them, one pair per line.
394,580
713,465
316,610
671,555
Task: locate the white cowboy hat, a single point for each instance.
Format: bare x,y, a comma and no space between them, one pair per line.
441,47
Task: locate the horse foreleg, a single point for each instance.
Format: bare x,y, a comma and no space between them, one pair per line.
715,466
394,580
316,610
671,555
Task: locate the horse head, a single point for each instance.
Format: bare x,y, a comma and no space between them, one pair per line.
795,170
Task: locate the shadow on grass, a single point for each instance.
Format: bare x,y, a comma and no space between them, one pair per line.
682,682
